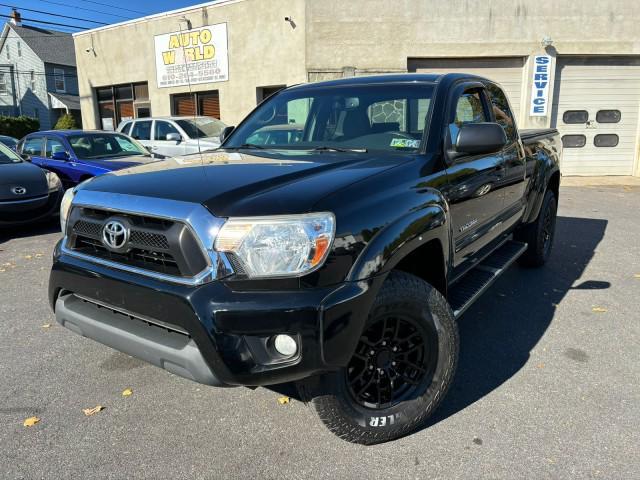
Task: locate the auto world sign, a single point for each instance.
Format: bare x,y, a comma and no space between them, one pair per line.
192,56
540,88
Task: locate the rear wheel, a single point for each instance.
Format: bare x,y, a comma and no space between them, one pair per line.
401,370
540,233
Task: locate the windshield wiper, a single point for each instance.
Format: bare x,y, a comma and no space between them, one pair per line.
248,146
338,149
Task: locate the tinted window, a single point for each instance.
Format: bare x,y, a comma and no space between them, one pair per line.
501,111
7,155
575,116
126,127
608,116
33,146
469,109
141,130
573,141
9,141
53,145
162,129
373,117
606,140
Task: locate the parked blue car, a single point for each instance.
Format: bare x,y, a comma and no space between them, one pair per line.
76,155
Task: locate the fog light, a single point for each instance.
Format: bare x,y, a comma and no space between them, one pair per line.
285,345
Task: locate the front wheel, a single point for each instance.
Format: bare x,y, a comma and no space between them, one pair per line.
401,370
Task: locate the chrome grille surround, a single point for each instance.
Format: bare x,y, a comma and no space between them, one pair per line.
202,223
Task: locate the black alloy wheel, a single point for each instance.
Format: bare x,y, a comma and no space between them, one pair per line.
394,359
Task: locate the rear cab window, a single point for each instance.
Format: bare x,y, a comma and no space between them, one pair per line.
126,128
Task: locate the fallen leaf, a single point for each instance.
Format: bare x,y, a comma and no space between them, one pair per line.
2,270
637,275
540,365
46,325
90,411
28,257
38,255
598,309
283,400
31,421
127,392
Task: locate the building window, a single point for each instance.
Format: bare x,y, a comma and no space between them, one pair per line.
59,80
606,140
199,103
119,103
262,93
608,116
3,84
575,116
574,141
19,49
32,80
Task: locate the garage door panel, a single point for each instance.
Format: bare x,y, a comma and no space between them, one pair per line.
595,84
505,71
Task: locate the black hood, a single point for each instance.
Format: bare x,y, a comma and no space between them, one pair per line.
22,175
238,184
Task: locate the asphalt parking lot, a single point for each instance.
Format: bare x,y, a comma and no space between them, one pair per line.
548,384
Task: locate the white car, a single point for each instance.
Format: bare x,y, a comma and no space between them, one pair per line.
174,136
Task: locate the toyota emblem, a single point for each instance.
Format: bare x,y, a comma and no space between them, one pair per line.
115,235
19,190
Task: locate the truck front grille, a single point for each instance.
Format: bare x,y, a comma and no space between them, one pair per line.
157,245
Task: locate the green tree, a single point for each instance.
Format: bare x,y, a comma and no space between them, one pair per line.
65,122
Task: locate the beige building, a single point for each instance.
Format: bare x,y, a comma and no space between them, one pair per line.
570,65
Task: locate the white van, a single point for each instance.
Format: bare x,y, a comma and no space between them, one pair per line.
174,136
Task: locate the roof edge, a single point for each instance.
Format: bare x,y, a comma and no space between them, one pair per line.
147,18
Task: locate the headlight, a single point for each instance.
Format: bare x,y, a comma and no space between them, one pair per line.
65,207
53,181
282,246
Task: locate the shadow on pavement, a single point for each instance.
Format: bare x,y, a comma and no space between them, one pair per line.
501,328
499,331
31,230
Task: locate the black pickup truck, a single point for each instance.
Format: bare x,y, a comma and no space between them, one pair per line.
336,253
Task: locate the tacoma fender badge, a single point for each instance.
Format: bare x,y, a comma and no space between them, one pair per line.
468,225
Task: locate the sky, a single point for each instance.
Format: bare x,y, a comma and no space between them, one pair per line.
103,11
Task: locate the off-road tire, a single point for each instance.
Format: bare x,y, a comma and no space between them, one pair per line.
539,234
334,402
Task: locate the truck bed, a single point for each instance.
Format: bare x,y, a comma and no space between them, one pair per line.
529,135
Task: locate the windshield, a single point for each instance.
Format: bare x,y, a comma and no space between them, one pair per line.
390,117
8,156
9,141
104,146
202,127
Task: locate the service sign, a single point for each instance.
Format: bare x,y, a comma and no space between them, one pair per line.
192,56
540,88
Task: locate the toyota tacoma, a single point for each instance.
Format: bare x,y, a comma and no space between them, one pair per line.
336,256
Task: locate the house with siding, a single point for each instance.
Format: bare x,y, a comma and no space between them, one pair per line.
38,76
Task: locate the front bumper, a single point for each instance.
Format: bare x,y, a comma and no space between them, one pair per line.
211,333
20,212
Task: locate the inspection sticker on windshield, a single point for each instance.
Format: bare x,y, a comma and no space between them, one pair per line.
405,143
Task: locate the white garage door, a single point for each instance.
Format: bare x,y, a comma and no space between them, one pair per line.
595,108
505,71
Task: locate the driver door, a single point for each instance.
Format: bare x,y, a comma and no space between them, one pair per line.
474,182
160,144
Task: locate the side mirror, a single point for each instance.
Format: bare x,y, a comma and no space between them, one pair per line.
225,133
62,156
26,156
479,138
173,137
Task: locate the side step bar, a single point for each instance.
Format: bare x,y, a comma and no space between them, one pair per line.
468,289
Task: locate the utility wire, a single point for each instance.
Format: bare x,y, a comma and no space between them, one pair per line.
114,6
84,8
53,14
48,23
